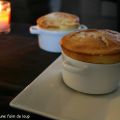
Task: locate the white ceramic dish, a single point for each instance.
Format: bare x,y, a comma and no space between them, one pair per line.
49,40
90,78
47,95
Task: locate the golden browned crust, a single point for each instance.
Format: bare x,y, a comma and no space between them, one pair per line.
58,21
93,46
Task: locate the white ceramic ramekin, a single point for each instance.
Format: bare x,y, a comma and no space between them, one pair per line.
49,40
90,78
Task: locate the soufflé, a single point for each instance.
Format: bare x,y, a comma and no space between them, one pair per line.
58,21
101,46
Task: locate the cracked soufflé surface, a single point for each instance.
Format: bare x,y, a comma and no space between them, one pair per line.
100,46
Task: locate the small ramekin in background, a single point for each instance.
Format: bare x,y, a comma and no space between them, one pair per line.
49,40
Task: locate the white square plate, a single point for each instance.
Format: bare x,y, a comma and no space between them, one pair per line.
47,95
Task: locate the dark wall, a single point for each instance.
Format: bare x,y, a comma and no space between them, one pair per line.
91,12
27,11
118,15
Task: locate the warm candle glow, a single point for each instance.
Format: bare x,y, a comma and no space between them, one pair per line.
4,16
0,6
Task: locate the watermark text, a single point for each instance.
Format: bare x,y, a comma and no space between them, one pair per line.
12,116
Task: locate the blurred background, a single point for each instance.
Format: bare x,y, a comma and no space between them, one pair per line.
93,13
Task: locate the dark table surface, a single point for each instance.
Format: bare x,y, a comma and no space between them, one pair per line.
21,61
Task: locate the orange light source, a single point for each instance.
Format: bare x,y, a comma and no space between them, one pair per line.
5,11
